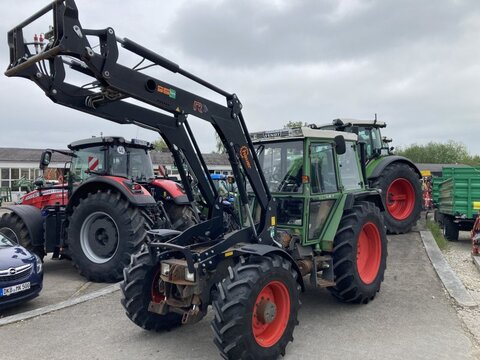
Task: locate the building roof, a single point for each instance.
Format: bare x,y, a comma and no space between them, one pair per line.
158,157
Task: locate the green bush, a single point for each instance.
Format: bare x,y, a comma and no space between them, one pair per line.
437,234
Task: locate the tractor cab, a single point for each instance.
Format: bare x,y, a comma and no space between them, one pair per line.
111,156
309,173
368,131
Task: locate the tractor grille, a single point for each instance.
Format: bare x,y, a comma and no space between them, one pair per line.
19,273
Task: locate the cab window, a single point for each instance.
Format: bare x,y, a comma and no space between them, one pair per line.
349,171
323,178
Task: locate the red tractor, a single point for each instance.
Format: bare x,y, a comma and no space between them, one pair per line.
97,214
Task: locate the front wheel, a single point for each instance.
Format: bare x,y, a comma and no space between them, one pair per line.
104,230
256,310
140,287
359,254
15,229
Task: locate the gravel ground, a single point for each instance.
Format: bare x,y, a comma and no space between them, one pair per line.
458,255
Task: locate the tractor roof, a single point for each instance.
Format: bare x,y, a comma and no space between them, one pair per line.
299,133
102,140
354,122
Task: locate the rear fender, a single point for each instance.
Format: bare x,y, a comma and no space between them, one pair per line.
140,197
375,168
170,190
32,218
370,196
264,250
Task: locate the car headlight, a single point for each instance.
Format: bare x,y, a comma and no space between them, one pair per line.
165,269
189,276
39,267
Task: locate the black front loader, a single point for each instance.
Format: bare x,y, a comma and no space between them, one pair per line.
244,273
106,96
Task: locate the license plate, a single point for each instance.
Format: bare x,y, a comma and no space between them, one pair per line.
14,289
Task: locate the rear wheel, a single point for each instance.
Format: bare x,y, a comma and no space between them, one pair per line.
402,196
104,230
256,310
181,216
13,227
359,254
140,287
449,228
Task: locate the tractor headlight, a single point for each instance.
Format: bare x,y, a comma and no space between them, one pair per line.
189,276
165,269
39,267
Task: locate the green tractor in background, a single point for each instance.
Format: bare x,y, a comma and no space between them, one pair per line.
396,176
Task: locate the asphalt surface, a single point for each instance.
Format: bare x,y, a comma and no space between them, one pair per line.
411,318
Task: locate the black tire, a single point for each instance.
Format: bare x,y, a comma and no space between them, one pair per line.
181,216
400,216
13,227
140,280
450,229
234,308
104,230
358,278
438,217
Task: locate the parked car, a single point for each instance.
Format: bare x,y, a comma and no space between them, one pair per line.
21,273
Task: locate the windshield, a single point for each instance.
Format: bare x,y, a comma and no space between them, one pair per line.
87,162
5,241
282,164
132,163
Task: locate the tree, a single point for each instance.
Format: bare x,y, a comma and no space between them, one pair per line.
294,124
160,145
451,152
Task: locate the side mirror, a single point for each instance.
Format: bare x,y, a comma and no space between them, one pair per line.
45,159
340,145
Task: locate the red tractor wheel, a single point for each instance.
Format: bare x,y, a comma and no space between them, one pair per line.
359,254
256,310
402,196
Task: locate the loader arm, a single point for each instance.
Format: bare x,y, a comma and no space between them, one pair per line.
113,84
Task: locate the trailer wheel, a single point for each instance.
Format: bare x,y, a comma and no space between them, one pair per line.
141,285
104,230
13,227
359,254
402,196
256,309
449,228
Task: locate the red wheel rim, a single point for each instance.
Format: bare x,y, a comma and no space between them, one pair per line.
270,314
157,296
400,199
369,253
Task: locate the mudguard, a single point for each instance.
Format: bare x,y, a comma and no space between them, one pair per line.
383,162
170,190
32,218
139,197
371,196
262,250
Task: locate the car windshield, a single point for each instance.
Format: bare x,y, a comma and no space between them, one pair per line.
5,241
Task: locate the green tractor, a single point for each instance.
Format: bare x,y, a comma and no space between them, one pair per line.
396,176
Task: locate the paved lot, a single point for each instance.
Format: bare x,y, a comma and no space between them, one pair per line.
61,282
411,318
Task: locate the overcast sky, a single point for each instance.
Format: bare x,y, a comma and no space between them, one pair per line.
415,63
